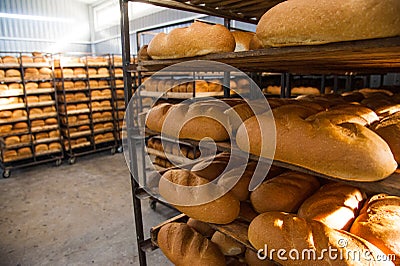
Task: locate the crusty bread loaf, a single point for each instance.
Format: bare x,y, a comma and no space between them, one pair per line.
227,245
296,186
5,128
9,59
41,135
20,125
54,146
242,40
379,223
26,59
12,140
193,121
41,148
278,230
201,227
31,86
391,134
174,187
197,39
350,151
6,114
304,22
13,73
21,113
37,123
25,151
334,204
183,246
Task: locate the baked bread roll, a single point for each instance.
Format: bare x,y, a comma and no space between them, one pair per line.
20,113
13,73
41,135
106,115
84,128
105,104
96,105
93,83
391,134
12,140
379,223
25,151
44,98
51,121
278,230
106,93
54,134
79,71
54,146
31,86
103,71
80,106
227,245
98,126
118,71
109,135
197,39
2,73
296,186
68,85
9,59
20,125
37,123
80,140
306,22
32,99
49,109
242,40
96,115
80,96
25,138
350,151
41,148
10,154
15,86
35,112
31,73
6,114
45,72
92,71
334,204
119,82
183,246
98,137
225,209
5,128
26,59
80,84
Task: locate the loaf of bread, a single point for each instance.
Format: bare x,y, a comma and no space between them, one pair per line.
390,132
13,73
311,240
41,148
349,151
54,134
41,135
184,186
31,86
51,121
80,84
26,59
9,59
103,71
44,98
79,71
242,40
92,71
5,128
183,246
379,223
25,151
193,121
54,146
334,204
197,39
9,154
12,140
201,227
227,245
37,123
296,186
308,22
20,125
31,73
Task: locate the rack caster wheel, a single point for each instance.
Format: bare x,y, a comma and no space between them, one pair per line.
58,162
153,204
6,174
72,160
119,150
113,151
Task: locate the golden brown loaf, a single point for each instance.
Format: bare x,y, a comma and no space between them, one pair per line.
41,148
349,151
334,204
183,246
225,209
9,59
13,73
379,223
391,134
304,22
296,186
24,151
278,230
227,245
12,140
201,227
31,86
54,146
197,39
242,40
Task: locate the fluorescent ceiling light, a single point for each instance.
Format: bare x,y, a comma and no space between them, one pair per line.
30,17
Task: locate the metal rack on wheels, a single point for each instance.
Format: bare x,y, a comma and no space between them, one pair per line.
29,123
363,57
87,106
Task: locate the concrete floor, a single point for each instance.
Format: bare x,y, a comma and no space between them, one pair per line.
73,215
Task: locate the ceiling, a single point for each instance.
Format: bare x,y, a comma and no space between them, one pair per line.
89,2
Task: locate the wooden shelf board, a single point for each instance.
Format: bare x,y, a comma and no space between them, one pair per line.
363,56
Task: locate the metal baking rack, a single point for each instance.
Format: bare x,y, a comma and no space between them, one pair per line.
31,156
352,58
83,135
